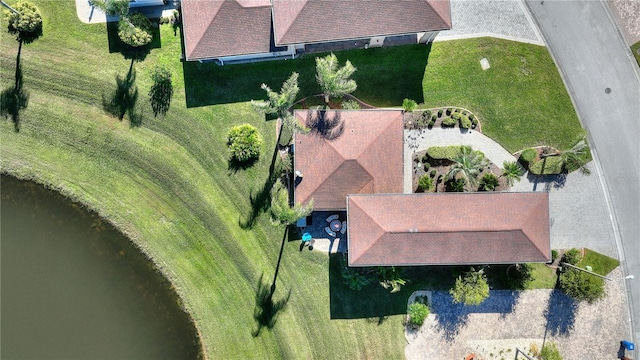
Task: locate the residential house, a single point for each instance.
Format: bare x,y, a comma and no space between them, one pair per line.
250,30
353,161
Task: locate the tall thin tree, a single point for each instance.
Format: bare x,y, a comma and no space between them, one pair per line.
334,80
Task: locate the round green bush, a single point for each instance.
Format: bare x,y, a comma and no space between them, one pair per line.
426,166
465,123
426,183
244,143
440,113
489,182
442,152
417,312
448,122
582,286
572,256
433,173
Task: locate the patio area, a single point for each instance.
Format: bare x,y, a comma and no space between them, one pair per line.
328,231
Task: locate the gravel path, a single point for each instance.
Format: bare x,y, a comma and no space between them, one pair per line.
508,320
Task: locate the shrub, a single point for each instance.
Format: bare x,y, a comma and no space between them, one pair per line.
433,118
391,278
511,172
528,156
244,143
426,115
433,173
465,123
432,122
440,113
582,286
551,165
443,152
448,112
135,30
448,122
408,105
549,352
161,91
455,185
554,254
489,182
427,166
351,105
26,23
417,312
426,183
455,116
473,289
572,256
425,158
519,276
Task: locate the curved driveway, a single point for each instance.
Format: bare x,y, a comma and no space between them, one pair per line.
602,79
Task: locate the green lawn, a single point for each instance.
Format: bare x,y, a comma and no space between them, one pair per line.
167,185
635,48
521,100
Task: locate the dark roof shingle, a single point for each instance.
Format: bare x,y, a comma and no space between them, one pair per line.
444,229
310,21
366,158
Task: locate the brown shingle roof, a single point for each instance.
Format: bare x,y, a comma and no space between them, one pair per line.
217,28
366,158
442,229
308,21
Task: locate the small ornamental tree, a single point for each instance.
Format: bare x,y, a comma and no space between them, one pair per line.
408,105
334,80
582,286
489,182
281,212
512,172
135,30
473,289
161,91
244,143
26,24
279,103
426,183
417,312
112,7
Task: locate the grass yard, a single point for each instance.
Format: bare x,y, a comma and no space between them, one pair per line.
521,100
166,184
635,49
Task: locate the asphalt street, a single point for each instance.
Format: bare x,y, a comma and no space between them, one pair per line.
604,85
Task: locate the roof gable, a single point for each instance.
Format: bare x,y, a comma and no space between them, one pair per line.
216,28
308,21
431,229
365,156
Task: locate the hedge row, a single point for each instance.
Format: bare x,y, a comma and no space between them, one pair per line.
443,152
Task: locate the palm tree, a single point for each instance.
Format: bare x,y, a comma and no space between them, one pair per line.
467,164
573,159
512,172
279,103
334,80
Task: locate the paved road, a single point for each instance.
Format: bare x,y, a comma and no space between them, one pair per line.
592,57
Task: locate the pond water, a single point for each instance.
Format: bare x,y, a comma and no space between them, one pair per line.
74,288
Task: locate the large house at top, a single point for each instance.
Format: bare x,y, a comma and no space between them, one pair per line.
353,161
248,30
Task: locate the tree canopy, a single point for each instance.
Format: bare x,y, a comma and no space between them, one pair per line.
473,289
26,24
161,91
279,103
333,79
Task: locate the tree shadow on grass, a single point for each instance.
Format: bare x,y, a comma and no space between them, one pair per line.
14,99
125,96
560,313
261,201
267,309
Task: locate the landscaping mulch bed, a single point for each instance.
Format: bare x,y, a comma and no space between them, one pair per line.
437,117
441,168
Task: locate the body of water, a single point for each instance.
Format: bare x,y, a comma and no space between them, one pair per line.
72,287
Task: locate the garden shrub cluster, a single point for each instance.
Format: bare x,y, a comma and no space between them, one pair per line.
461,119
449,122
